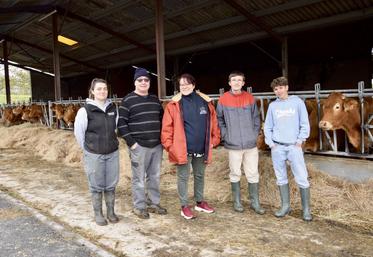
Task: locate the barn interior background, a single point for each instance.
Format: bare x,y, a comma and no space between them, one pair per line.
327,42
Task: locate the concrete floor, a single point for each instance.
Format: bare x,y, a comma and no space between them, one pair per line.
354,170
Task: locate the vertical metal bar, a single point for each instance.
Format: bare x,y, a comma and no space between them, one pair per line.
361,98
6,72
56,59
317,95
159,36
50,114
284,59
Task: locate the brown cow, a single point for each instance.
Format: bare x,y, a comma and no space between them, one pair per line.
341,112
9,118
33,113
59,110
69,114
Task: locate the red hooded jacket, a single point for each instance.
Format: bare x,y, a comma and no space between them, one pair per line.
173,134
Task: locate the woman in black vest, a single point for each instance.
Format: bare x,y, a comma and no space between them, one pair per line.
94,129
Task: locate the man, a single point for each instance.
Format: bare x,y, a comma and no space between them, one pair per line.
286,128
239,124
189,132
139,123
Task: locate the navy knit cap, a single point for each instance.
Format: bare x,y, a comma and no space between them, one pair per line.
139,72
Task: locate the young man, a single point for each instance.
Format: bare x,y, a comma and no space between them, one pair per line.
189,132
286,128
239,124
139,123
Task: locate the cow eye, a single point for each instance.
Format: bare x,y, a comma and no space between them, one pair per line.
337,106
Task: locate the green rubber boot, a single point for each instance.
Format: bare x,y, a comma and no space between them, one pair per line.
236,194
110,202
285,201
254,198
97,208
305,196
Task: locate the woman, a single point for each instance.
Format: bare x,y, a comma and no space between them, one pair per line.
189,132
94,129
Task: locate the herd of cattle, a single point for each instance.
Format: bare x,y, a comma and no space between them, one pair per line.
337,113
38,113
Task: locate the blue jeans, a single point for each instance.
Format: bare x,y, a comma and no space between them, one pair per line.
294,154
146,169
102,171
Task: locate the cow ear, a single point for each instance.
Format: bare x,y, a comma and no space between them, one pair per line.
350,104
343,97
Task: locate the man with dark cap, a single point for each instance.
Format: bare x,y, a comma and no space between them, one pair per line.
139,123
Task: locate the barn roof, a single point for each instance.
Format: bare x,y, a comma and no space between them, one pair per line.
114,33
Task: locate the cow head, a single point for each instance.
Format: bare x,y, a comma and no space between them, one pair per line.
340,112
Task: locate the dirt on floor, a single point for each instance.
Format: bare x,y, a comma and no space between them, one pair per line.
44,168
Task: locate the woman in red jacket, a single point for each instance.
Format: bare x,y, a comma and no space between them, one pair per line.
189,132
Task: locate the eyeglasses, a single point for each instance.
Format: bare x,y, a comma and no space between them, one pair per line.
141,80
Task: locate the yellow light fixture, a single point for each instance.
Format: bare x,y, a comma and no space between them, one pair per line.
66,41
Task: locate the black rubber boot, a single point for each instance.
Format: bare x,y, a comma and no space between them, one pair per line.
253,189
110,200
305,196
285,201
97,208
236,194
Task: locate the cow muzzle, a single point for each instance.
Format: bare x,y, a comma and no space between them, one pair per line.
325,125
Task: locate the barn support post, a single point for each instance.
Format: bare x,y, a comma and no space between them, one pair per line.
284,59
159,36
6,72
56,59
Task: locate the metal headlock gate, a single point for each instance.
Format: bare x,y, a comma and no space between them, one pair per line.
79,101
317,95
43,105
361,92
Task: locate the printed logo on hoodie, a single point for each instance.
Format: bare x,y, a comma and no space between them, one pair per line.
284,113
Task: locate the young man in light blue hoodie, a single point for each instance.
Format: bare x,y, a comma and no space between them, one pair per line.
286,127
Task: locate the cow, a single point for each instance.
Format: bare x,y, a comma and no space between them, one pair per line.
9,118
33,113
58,109
69,114
341,112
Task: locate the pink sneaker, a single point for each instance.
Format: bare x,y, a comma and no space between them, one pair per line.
204,207
187,213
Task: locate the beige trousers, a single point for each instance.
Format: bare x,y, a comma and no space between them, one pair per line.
248,158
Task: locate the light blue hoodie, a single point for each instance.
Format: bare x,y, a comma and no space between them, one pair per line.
286,122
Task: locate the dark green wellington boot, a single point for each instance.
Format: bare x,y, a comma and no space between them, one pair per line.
305,196
254,198
236,194
285,201
110,200
97,208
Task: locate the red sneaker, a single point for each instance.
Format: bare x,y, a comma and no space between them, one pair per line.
187,213
204,207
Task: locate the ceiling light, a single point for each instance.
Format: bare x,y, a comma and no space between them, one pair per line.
66,41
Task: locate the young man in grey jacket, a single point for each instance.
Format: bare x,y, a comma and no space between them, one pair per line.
239,123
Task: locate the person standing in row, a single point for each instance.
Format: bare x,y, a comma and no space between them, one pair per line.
286,128
239,124
140,116
189,132
95,132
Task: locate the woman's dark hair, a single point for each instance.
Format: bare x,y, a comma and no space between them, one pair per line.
188,78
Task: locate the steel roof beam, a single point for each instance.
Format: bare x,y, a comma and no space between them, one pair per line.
254,19
167,15
13,39
71,15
